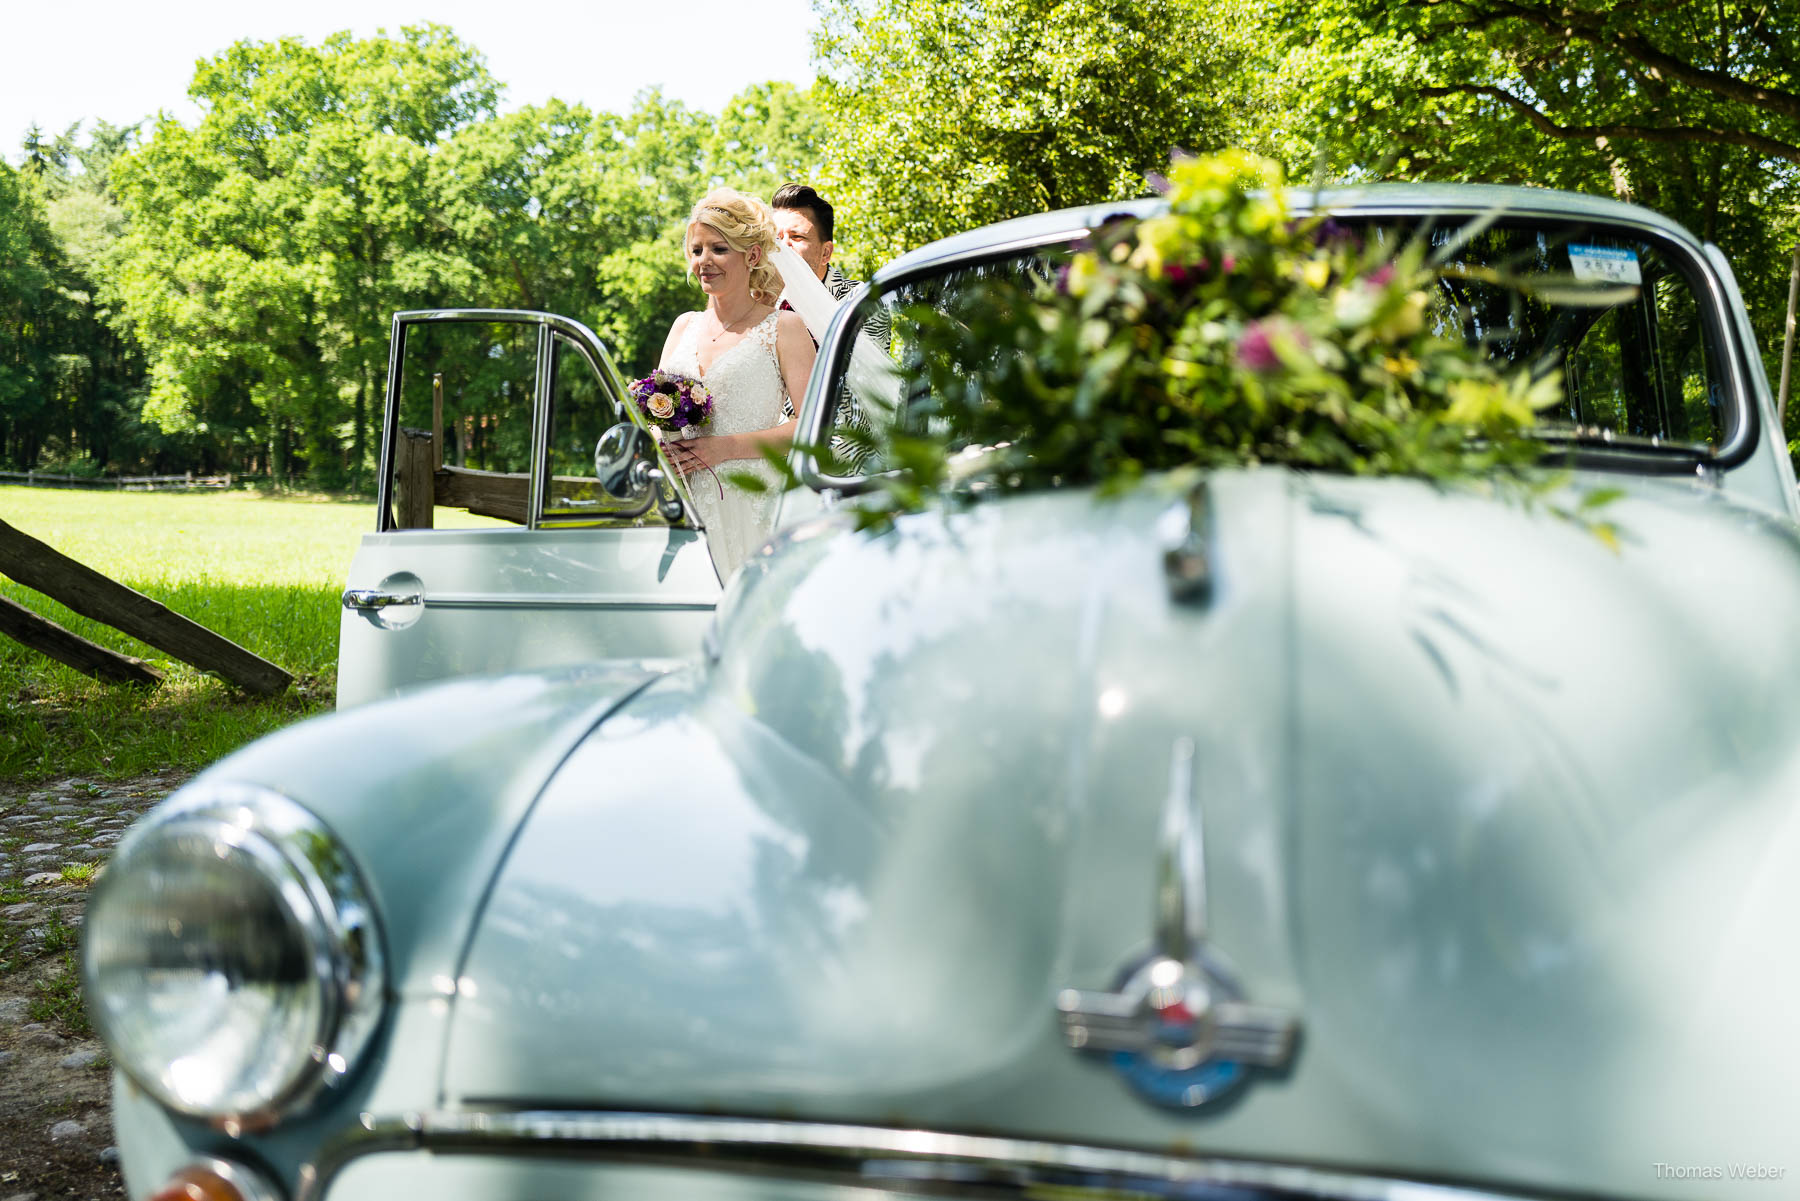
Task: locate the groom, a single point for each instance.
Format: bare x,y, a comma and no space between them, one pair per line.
804,221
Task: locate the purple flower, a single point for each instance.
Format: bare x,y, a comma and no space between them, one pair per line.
1256,350
1333,232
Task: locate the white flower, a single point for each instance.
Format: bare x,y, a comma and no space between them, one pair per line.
662,406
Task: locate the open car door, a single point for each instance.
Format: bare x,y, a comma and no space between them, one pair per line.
526,516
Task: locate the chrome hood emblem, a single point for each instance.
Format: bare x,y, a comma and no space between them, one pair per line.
1176,1025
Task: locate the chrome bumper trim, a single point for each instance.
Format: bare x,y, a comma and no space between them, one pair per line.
869,1156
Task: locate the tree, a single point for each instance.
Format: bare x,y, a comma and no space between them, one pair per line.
656,176
101,393
945,114
1691,107
29,307
270,243
767,135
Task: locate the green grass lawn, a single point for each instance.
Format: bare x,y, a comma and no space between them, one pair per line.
265,572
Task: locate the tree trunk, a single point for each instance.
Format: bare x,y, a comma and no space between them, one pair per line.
359,440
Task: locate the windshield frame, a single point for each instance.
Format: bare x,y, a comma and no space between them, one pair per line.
1598,449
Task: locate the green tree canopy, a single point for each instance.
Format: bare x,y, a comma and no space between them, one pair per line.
75,393
29,306
1691,107
945,114
270,243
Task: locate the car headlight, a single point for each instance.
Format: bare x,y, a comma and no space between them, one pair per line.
231,958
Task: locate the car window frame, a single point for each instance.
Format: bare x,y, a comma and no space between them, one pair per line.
1742,420
548,327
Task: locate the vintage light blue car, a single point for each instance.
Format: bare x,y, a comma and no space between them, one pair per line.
1301,837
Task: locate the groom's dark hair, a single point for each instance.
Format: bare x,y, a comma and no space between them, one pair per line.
801,196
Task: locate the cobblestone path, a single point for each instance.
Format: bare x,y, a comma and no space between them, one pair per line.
54,1077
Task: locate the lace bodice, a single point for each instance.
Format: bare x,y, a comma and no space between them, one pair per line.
748,394
745,380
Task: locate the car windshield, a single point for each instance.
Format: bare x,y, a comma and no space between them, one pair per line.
1615,312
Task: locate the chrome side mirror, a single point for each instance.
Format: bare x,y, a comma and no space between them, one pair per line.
616,460
626,468
646,475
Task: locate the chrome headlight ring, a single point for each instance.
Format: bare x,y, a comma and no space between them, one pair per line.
232,959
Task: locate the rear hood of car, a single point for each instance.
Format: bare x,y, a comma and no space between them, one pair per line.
1502,814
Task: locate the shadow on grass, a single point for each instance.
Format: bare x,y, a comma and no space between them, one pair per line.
55,721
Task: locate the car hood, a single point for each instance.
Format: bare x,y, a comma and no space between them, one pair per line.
1498,805
427,789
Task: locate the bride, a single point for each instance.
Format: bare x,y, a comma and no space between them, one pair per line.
751,356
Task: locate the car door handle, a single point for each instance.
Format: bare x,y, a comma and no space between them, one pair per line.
375,598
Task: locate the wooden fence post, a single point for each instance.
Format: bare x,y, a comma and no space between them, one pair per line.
415,481
437,419
66,646
91,594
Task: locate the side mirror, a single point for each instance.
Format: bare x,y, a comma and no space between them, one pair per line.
616,455
626,467
647,475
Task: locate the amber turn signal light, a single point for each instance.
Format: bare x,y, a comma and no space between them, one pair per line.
215,1180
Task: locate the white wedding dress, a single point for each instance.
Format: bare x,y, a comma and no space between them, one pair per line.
748,393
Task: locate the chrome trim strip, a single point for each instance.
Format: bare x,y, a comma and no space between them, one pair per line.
1180,862
390,427
563,600
870,1156
536,466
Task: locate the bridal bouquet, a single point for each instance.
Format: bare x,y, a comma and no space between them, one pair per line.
673,403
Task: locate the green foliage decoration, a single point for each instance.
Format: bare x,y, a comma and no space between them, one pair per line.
1222,332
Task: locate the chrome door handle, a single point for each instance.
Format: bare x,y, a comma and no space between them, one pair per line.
375,598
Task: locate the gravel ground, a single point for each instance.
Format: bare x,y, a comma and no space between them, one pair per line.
54,1076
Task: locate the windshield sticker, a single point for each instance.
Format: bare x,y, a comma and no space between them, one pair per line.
1604,265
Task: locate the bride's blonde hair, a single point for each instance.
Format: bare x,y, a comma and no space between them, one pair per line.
746,225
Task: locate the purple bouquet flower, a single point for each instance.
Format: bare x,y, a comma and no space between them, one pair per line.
672,402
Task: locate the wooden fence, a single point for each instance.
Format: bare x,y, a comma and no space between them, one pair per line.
122,483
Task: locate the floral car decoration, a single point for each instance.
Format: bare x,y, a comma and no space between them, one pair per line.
1223,331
